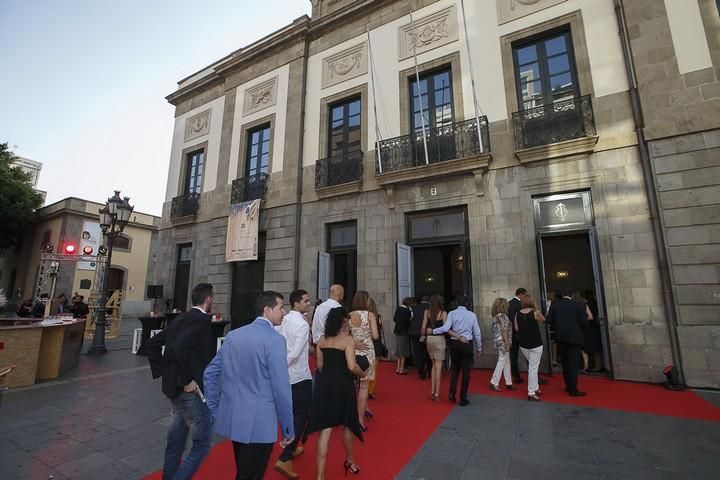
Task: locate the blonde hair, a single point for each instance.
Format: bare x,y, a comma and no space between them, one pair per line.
500,305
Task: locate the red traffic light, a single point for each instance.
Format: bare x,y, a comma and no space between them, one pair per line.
70,249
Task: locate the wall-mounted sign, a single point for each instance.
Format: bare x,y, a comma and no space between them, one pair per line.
242,233
563,211
90,238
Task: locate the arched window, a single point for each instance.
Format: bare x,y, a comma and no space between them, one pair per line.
122,243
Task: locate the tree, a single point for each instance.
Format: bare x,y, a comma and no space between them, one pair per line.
18,199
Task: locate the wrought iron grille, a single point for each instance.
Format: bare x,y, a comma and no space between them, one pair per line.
249,188
339,169
449,142
185,205
554,122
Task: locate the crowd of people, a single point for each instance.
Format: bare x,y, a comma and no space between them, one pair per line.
261,376
60,305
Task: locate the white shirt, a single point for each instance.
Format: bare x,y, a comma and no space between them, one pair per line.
320,316
296,332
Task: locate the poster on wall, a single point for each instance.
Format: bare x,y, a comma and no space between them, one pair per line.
242,232
90,236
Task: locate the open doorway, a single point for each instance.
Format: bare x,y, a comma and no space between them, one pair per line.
438,270
570,262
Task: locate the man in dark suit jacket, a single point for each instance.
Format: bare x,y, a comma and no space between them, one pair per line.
189,348
419,350
569,320
513,308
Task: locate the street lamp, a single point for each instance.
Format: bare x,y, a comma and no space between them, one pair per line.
114,216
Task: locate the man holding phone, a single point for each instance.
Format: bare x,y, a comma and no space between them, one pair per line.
189,347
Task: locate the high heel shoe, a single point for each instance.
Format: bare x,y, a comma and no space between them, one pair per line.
351,467
363,428
495,388
369,414
533,398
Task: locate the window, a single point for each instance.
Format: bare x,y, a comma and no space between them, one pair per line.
545,70
194,172
344,128
435,90
47,235
122,242
258,151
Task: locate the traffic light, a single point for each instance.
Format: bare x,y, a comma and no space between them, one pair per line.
87,250
70,249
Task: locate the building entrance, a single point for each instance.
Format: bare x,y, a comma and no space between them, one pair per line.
436,259
569,259
247,284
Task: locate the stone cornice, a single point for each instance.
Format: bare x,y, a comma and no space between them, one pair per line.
319,26
435,170
576,146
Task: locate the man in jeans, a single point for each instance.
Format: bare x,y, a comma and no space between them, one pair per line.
189,347
296,331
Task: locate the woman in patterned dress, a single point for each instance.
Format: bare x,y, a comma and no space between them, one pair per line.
363,325
502,338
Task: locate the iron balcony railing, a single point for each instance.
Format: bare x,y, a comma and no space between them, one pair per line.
184,205
249,188
554,122
449,142
339,169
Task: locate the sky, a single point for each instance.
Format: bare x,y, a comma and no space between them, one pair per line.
83,84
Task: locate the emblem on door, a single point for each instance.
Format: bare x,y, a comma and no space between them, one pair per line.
561,211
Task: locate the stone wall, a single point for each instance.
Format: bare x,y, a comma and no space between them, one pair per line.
687,174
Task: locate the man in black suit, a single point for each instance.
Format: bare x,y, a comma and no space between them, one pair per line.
569,320
513,308
419,350
189,347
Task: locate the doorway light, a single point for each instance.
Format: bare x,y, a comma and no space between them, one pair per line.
562,274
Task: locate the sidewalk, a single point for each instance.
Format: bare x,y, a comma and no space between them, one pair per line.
107,420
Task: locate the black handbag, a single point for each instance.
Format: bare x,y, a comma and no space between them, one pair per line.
362,362
380,348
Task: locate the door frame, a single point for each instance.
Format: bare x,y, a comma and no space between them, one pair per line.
591,233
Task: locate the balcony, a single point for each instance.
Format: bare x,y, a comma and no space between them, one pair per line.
451,149
555,130
250,188
184,206
339,174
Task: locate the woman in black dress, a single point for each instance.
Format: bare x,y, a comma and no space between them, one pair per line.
335,403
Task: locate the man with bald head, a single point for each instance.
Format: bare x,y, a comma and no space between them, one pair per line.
337,293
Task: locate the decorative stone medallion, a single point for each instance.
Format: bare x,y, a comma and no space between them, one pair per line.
345,65
197,125
509,10
260,96
428,32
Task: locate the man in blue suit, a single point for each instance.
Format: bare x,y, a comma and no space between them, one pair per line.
247,387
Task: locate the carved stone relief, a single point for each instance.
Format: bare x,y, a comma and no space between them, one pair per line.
260,96
509,10
345,65
197,125
428,32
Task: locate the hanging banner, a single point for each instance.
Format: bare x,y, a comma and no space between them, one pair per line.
91,236
242,232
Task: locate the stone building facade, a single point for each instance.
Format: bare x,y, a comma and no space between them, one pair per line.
523,167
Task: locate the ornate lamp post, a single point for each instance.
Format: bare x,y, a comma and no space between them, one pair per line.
114,216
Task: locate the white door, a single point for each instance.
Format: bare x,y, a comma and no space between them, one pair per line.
323,276
404,273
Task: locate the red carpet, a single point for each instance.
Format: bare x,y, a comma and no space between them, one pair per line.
405,418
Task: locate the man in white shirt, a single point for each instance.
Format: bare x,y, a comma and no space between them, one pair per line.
296,331
337,292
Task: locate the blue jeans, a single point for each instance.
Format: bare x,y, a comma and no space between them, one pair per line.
190,415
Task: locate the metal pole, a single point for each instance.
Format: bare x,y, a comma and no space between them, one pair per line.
98,343
378,151
419,96
472,76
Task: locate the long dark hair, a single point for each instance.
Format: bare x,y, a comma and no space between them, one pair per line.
335,320
436,306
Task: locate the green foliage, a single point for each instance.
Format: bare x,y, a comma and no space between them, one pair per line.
18,199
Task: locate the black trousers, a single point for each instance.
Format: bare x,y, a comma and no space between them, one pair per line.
571,358
302,393
251,460
461,355
514,352
420,356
